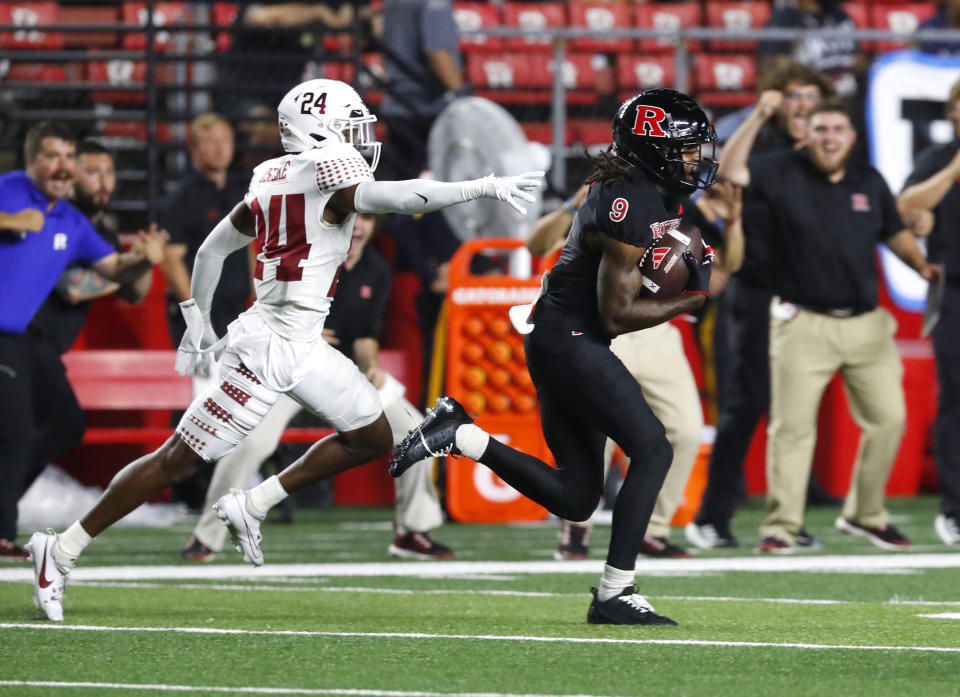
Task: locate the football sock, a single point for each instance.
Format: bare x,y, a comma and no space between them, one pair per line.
614,580
471,440
70,543
265,496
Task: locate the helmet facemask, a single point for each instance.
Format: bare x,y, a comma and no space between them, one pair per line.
688,175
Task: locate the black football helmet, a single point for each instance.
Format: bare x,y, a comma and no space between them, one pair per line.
652,128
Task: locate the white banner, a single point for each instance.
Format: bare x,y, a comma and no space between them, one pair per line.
902,119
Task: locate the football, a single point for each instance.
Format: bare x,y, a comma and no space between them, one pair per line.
664,271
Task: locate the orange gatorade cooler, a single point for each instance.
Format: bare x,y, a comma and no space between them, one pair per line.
486,371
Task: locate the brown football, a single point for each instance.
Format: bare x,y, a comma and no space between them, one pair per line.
664,271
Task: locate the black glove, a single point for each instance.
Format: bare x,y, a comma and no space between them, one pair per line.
699,279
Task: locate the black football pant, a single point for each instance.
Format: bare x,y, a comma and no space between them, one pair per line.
946,346
745,400
585,395
40,419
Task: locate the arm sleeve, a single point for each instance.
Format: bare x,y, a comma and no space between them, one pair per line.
437,26
892,223
409,196
223,240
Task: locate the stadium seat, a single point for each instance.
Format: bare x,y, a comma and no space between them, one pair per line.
860,13
542,132
36,72
725,80
736,15
165,14
668,16
86,14
474,16
125,73
639,73
223,14
591,131
903,18
600,16
501,71
30,14
579,71
533,15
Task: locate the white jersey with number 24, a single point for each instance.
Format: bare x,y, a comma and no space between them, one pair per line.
300,254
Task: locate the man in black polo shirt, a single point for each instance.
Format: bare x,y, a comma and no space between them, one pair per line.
203,197
824,220
933,186
778,122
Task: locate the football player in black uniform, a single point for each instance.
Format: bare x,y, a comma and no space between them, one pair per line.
662,151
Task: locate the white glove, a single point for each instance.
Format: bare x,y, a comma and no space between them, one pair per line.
200,346
509,189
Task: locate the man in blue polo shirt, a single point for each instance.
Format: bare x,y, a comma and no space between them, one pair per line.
40,235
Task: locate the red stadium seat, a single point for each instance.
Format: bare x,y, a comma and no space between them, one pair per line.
345,71
904,18
579,71
533,15
165,14
26,15
600,16
725,80
542,132
591,131
501,71
474,16
736,15
36,72
223,14
860,13
668,16
124,73
640,73
86,14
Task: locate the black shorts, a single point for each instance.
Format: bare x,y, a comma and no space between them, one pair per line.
586,394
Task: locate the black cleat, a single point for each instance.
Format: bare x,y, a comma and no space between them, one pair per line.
435,437
626,608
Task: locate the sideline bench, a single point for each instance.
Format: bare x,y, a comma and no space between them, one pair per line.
145,380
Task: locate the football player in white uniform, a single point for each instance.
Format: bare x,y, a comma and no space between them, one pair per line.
301,209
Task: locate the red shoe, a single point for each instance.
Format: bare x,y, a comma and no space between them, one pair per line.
773,545
196,551
662,548
10,551
418,545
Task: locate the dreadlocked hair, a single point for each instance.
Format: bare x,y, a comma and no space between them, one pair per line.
608,166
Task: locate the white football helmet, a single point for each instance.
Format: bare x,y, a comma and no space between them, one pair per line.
317,112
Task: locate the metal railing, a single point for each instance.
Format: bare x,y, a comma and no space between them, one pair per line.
179,82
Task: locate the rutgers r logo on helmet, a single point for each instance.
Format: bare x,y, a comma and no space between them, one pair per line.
668,138
648,121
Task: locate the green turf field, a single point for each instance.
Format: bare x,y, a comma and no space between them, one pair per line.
331,614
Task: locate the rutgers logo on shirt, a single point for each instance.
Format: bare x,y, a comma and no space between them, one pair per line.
859,203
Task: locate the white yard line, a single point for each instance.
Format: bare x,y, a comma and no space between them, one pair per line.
283,588
267,690
876,563
943,616
478,637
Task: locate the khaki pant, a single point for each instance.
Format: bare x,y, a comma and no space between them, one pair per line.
806,351
655,357
418,506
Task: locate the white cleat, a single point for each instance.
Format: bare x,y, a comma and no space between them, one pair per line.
49,581
243,526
